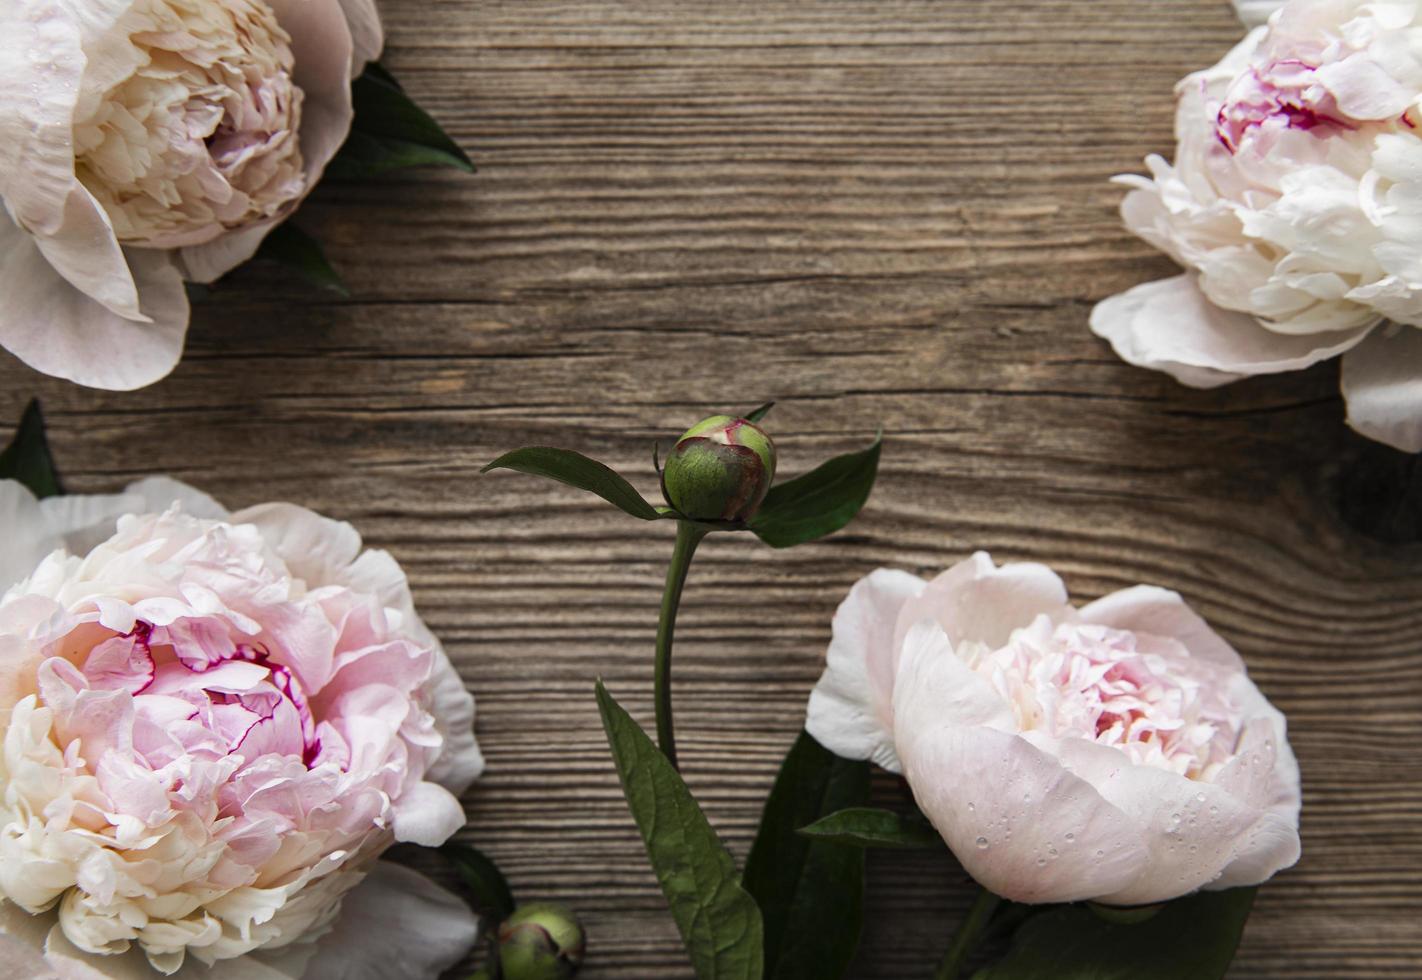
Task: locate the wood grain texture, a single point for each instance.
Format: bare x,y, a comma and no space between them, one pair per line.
889,212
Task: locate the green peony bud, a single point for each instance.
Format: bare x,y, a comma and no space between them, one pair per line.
720,470
541,942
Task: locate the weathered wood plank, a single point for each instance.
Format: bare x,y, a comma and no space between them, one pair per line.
885,213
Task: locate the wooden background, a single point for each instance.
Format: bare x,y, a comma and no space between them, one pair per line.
887,212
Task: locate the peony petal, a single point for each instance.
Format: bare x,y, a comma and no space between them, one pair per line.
58,330
86,252
427,814
367,36
397,925
851,708
975,601
158,493
1160,612
981,787
1191,829
82,521
315,548
322,45
37,108
1382,383
28,536
934,687
1169,326
460,762
1252,13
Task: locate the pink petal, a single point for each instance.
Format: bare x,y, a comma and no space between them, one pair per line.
1382,383
58,330
1170,326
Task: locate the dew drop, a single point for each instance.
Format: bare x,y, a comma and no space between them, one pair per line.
982,843
973,809
1199,797
1070,838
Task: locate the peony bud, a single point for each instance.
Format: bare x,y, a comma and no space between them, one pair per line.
720,470
541,942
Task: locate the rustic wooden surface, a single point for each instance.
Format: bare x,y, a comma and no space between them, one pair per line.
880,212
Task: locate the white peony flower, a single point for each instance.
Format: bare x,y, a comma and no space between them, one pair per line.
144,142
213,725
1116,752
1295,204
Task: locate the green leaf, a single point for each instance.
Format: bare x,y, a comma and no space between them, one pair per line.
483,878
391,132
27,459
811,893
866,827
759,413
818,503
1192,938
718,919
577,470
288,245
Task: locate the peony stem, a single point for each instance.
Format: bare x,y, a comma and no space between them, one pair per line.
688,536
967,936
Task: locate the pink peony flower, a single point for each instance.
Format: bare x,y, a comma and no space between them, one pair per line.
145,142
213,725
1118,752
1295,205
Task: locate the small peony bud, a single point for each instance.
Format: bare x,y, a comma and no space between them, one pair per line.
541,942
720,470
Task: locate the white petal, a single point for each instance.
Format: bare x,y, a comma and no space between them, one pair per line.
975,601
934,687
1382,383
1255,12
315,548
58,330
1005,808
27,535
1170,326
1191,829
851,708
427,814
460,762
397,925
1160,612
158,493
367,36
85,251
84,521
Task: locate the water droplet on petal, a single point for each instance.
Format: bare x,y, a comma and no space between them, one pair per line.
982,843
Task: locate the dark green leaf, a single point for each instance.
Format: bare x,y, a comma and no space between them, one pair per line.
719,921
811,893
867,827
760,413
576,470
288,245
483,878
390,132
1192,938
27,458
818,503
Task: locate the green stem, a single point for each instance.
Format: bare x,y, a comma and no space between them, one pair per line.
688,536
966,938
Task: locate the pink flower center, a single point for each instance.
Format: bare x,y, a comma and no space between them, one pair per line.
1148,698
1285,95
193,686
